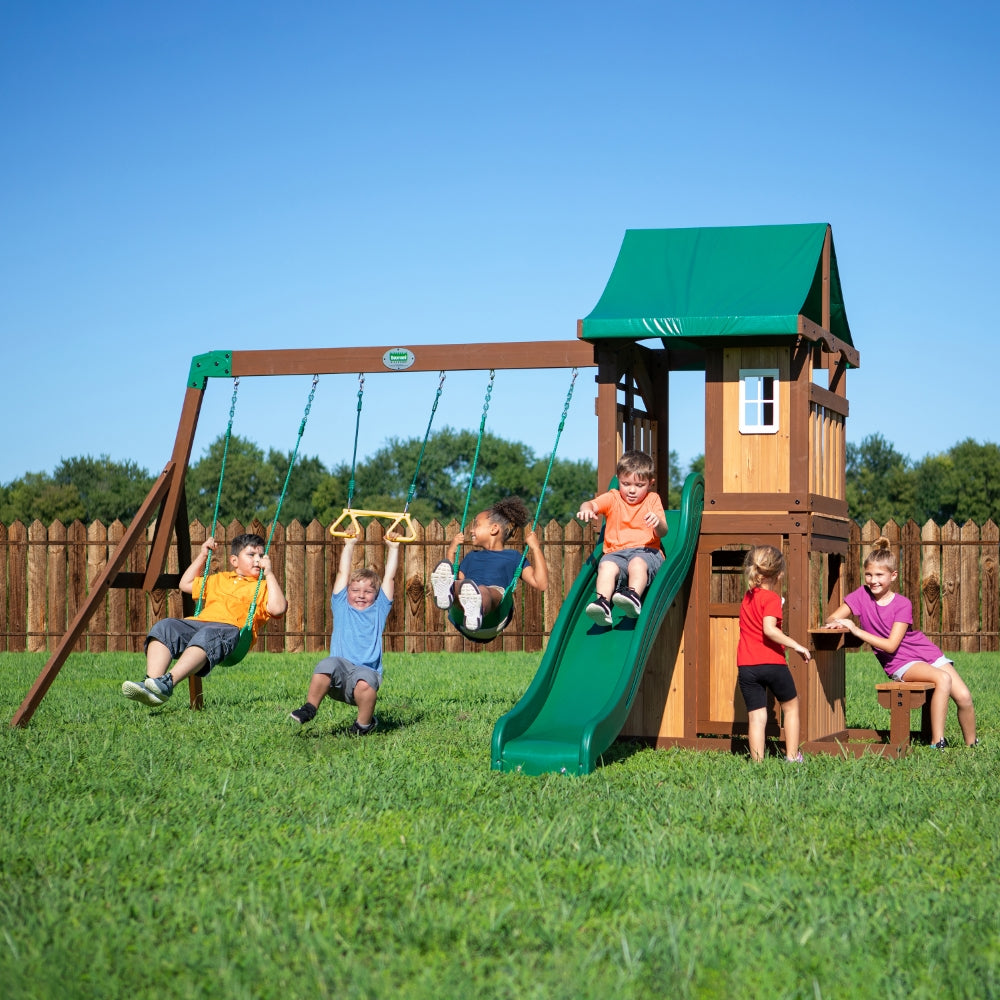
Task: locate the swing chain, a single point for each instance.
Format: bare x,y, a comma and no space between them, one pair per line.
412,492
357,428
309,403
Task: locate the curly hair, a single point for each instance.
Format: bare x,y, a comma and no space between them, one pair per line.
510,513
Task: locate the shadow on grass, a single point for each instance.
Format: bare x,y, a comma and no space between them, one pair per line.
315,730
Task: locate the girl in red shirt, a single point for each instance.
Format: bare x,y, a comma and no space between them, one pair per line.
760,654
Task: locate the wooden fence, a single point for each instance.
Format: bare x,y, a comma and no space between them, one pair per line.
949,572
48,572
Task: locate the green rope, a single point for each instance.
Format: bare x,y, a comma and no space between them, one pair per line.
545,484
475,462
218,492
423,447
357,428
284,490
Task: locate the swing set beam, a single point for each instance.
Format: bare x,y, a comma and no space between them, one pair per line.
166,502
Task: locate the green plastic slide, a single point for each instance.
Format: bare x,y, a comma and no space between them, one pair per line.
585,685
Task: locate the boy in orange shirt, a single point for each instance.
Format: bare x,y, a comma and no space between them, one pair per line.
634,526
199,644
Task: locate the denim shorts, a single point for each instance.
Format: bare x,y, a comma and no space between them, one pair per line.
344,677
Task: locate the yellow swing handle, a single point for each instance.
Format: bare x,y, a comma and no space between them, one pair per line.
356,531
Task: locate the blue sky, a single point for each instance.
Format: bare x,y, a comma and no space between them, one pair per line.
179,178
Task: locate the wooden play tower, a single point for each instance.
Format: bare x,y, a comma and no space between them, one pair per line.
759,309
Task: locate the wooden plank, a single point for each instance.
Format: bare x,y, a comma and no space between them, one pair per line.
426,357
5,624
274,637
410,591
990,588
37,602
320,571
295,588
951,583
76,582
56,569
117,602
97,561
930,581
909,567
968,595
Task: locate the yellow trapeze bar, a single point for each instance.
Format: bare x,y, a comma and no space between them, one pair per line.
357,531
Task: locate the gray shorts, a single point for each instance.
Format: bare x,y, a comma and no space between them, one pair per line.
344,677
215,638
653,558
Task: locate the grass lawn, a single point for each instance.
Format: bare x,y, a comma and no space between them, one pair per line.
228,853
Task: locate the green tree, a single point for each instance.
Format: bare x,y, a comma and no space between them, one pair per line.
108,490
36,496
963,483
305,478
383,481
880,484
244,494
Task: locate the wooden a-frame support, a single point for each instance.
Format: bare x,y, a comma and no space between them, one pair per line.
167,501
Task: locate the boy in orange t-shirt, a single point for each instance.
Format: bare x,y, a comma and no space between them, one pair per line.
635,523
199,644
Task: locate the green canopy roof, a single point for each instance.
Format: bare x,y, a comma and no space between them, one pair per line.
731,281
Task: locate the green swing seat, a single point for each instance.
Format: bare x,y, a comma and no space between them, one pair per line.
492,624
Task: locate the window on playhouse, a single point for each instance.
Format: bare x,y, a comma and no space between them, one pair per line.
759,400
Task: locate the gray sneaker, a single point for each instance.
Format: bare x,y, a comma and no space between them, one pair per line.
357,730
139,692
159,687
442,577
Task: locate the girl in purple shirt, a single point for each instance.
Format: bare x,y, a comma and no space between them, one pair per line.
886,624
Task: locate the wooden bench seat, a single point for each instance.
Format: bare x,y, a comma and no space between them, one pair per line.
901,698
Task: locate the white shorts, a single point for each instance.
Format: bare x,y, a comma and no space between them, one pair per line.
941,661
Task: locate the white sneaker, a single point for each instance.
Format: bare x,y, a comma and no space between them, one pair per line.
442,578
472,604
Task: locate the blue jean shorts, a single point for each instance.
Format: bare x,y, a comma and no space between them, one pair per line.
344,677
217,639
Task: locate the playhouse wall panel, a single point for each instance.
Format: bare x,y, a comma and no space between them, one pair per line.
725,702
754,463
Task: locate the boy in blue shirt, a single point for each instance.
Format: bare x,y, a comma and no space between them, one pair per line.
352,673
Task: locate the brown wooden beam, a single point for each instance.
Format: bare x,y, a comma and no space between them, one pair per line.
175,499
813,331
134,535
426,357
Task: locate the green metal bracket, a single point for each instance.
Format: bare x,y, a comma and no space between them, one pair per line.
215,364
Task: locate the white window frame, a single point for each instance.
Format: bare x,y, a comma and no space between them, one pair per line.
757,404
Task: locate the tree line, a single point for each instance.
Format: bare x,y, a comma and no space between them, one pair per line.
962,483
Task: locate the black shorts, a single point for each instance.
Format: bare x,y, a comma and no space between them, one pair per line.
754,682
